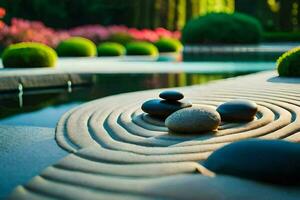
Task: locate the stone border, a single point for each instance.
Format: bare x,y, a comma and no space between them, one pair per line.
29,82
79,71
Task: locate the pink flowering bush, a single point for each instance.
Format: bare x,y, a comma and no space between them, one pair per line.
30,31
98,33
147,34
22,30
117,29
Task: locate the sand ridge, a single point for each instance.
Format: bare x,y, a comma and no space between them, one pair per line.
118,152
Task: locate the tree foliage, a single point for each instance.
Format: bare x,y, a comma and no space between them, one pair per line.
275,15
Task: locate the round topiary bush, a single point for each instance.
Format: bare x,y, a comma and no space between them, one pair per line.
222,28
289,63
168,45
29,54
111,49
141,48
76,47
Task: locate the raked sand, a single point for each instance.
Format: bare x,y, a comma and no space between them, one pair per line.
116,152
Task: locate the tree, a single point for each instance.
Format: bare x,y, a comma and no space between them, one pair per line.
207,6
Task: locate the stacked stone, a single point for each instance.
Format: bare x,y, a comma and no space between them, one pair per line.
168,104
181,117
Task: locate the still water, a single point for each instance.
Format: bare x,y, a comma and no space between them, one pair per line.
43,108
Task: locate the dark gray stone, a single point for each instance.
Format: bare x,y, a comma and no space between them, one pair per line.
274,161
162,108
194,120
238,110
171,95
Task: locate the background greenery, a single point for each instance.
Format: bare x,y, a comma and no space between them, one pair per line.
222,28
275,15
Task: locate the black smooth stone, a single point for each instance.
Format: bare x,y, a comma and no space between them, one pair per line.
163,108
273,161
171,95
237,110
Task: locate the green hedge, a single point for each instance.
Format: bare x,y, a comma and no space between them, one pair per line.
168,45
29,54
76,47
288,64
141,48
222,28
281,37
111,49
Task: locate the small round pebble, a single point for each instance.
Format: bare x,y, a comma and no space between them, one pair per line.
162,108
193,120
237,110
171,95
273,161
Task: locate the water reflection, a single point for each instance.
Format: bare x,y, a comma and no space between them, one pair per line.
20,95
45,107
69,83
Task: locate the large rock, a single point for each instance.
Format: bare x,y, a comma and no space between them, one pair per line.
237,110
162,108
273,161
194,120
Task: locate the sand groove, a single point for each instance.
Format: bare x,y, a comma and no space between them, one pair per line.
118,152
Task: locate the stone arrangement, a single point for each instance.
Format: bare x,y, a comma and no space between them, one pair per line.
201,119
115,153
181,117
163,108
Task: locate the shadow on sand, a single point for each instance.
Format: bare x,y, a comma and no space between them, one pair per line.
278,79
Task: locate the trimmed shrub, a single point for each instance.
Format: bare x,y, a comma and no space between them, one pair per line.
289,63
111,49
29,54
222,28
168,45
141,48
76,47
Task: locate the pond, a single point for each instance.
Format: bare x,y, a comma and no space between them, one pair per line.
43,108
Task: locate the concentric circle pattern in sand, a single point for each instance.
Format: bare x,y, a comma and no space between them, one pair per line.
118,152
